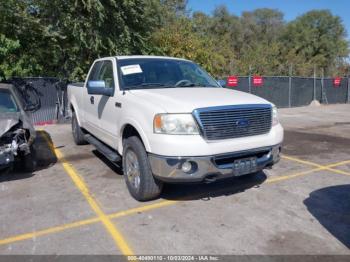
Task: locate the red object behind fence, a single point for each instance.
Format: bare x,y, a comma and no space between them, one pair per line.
258,80
232,81
336,81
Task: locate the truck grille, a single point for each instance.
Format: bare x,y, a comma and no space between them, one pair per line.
226,122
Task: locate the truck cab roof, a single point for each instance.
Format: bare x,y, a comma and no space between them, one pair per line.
148,56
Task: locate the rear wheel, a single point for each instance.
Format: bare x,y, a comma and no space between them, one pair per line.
137,171
78,134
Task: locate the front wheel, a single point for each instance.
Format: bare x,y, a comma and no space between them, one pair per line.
137,171
29,161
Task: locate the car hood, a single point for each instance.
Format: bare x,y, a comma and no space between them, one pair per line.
8,120
185,100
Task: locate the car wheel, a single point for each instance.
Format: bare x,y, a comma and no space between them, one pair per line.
29,161
137,171
78,133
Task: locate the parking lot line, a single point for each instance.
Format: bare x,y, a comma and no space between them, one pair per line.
322,167
84,222
48,231
80,184
57,229
286,177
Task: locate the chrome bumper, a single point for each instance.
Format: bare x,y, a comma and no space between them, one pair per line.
169,169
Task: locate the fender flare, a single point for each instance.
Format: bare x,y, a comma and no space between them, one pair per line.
139,129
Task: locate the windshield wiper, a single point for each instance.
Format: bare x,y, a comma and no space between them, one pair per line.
153,84
194,85
188,85
145,85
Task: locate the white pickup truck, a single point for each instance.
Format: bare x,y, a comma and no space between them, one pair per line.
167,120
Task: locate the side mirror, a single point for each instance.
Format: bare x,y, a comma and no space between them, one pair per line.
99,88
222,82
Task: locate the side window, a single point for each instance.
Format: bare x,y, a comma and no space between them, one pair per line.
106,74
94,71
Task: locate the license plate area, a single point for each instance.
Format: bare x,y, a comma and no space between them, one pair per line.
244,166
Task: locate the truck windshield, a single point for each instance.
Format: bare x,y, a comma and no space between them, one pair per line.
135,73
7,103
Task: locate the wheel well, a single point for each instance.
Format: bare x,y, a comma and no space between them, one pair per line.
129,131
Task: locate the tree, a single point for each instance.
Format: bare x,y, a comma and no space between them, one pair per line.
20,37
179,39
318,37
83,30
63,37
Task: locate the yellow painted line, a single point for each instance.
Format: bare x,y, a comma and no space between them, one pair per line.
85,222
300,161
338,171
281,178
48,231
322,167
143,208
117,236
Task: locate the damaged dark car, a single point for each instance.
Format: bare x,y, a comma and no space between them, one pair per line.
17,134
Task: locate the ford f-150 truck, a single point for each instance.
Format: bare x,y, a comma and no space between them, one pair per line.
166,120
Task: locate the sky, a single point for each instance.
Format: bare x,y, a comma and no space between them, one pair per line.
290,8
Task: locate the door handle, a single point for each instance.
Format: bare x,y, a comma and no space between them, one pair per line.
92,99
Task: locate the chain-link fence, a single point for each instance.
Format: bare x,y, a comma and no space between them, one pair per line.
52,94
286,91
283,91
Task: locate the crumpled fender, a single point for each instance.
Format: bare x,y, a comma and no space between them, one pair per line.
6,122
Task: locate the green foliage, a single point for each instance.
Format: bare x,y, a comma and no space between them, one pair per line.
180,40
318,38
62,37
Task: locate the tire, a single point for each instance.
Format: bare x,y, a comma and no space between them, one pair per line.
78,133
147,187
29,161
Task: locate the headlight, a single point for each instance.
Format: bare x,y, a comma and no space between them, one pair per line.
274,116
175,124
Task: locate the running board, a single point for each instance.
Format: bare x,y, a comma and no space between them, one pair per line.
102,148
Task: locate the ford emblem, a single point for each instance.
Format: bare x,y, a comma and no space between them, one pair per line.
242,123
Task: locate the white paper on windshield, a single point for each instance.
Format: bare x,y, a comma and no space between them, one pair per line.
131,69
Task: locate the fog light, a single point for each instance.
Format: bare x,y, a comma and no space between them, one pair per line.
186,167
276,153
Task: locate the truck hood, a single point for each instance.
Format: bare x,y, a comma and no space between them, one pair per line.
185,100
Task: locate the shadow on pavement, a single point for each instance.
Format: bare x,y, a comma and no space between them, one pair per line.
224,187
301,143
44,156
331,207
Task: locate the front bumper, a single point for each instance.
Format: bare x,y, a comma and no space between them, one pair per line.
6,159
169,169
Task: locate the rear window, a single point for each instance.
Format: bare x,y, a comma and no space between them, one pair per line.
7,102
